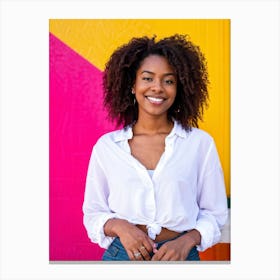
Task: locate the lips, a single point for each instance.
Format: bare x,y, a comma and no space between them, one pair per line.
155,100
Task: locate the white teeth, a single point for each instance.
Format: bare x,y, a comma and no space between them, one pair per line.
155,99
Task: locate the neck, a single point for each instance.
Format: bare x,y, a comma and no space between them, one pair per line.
152,126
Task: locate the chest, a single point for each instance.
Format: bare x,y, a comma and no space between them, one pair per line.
148,149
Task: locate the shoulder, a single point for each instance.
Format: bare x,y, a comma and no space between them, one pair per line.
200,134
199,138
190,133
193,134
110,138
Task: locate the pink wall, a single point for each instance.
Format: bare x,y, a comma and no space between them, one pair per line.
77,120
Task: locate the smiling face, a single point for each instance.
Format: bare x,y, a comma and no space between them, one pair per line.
155,86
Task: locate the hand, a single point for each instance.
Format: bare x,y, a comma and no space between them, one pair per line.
177,249
137,244
174,250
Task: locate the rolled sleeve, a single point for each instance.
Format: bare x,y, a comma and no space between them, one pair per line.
212,202
95,229
95,207
209,231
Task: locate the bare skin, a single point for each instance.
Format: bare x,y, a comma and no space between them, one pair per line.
178,249
148,148
133,239
155,91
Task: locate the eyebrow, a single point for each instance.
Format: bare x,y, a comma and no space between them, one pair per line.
150,72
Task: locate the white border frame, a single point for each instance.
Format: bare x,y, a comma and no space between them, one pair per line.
254,138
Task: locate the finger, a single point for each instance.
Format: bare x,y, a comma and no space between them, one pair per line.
155,249
147,244
156,257
165,257
159,254
151,243
130,255
145,253
170,255
137,256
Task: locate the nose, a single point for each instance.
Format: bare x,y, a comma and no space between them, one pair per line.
156,86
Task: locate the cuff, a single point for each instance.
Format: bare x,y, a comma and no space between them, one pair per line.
209,234
98,236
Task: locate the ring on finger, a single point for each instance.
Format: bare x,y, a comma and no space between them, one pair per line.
142,247
137,254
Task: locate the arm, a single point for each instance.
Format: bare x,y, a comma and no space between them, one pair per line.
212,201
95,207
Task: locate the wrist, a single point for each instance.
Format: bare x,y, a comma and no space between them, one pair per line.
114,227
195,236
192,238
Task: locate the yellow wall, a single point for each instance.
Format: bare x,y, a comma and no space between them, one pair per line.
95,40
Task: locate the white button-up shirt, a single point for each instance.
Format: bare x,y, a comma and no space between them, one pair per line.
186,190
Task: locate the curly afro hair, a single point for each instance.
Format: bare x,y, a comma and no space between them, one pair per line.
192,79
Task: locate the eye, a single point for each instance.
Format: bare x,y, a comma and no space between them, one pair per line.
147,79
169,82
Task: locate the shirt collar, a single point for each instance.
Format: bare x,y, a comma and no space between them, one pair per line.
123,134
126,133
178,130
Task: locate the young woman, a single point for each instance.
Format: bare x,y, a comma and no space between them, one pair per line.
155,189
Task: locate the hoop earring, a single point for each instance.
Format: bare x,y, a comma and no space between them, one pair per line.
178,110
134,98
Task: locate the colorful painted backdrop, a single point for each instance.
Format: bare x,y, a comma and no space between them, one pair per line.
79,50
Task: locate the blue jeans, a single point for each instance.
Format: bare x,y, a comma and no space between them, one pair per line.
116,251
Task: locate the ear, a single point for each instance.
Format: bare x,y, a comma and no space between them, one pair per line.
133,89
